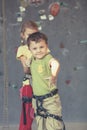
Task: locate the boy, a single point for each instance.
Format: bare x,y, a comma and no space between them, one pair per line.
44,70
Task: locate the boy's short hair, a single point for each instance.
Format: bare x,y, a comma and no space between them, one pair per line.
37,36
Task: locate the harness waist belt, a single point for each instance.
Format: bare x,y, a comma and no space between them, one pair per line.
52,93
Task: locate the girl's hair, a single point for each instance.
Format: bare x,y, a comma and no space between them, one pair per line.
28,24
37,36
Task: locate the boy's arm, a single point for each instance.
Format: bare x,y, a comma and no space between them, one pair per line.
55,67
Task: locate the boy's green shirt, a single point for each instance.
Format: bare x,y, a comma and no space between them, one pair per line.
41,72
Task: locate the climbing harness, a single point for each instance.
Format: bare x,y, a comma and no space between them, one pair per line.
41,111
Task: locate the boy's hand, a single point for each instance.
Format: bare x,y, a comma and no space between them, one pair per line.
52,80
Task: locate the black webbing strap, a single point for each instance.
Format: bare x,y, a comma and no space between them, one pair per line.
52,93
45,115
24,114
25,100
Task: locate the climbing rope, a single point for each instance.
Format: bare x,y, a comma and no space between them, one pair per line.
5,76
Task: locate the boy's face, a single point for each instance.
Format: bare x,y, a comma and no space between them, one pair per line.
27,32
39,49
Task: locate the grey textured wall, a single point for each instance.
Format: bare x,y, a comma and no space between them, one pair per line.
67,35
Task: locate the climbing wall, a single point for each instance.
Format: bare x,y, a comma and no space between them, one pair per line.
67,34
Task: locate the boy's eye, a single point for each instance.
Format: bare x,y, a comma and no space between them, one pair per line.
42,47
